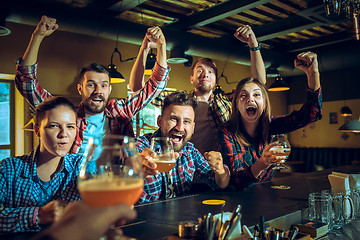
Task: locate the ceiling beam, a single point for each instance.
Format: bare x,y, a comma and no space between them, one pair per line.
125,5
306,19
215,13
163,11
318,42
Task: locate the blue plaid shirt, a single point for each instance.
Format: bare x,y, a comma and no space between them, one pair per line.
22,192
189,164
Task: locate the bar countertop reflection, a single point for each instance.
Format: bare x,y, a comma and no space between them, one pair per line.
157,220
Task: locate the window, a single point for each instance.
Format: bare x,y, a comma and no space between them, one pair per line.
6,113
146,120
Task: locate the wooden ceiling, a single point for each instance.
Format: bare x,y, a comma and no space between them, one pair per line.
285,26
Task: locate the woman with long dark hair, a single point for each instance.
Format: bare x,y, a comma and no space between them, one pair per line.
244,139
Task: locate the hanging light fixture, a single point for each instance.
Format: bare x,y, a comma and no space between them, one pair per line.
177,55
116,76
4,31
218,90
150,63
351,126
279,85
273,71
350,7
346,111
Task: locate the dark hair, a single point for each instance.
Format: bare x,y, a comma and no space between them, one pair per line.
179,98
93,67
235,122
208,62
49,104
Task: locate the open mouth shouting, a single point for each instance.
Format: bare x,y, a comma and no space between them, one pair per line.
251,110
97,99
95,103
178,139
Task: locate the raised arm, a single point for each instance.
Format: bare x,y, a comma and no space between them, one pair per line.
245,34
153,38
222,172
307,62
45,28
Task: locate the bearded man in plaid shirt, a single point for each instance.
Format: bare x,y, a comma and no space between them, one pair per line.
177,122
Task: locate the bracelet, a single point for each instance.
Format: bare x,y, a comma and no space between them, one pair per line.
256,48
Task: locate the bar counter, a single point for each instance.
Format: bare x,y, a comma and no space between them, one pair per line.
159,219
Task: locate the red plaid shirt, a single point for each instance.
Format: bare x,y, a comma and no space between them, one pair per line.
240,158
119,111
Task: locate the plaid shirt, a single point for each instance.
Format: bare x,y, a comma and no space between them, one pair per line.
119,111
22,192
189,164
219,110
239,158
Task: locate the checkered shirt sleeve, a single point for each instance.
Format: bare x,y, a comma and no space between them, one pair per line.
220,109
240,158
22,191
311,111
28,85
189,164
139,99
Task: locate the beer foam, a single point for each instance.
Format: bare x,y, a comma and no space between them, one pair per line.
164,159
110,184
280,148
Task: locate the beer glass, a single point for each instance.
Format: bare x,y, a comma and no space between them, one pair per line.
284,147
336,208
111,173
319,207
165,159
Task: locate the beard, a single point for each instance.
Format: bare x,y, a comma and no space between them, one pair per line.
95,109
205,88
184,139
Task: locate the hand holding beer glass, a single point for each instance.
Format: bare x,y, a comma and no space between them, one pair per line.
165,156
283,149
112,172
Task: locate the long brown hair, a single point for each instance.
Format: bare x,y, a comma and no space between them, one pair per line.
235,122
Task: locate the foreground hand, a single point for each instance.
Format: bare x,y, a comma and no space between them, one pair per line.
148,166
81,222
307,62
155,35
245,34
51,211
215,161
268,158
46,26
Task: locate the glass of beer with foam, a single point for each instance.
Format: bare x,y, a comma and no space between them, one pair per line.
283,149
111,173
165,159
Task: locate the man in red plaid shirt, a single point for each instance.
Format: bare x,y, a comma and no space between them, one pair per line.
97,115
